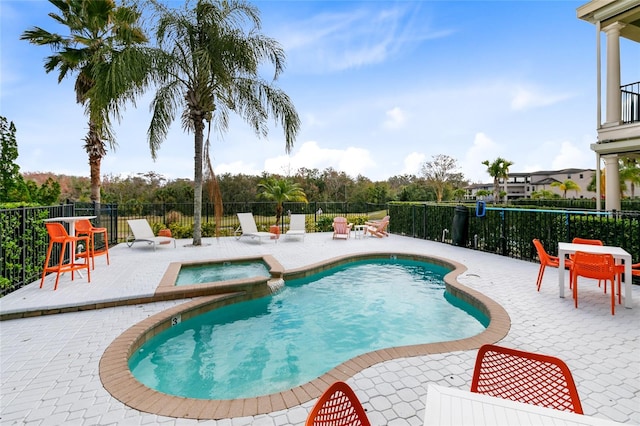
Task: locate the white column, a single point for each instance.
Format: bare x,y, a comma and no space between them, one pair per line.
612,183
613,73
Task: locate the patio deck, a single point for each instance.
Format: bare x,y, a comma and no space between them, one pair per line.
49,363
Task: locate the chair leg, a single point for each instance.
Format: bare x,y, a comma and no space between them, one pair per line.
540,275
46,263
613,296
575,290
64,247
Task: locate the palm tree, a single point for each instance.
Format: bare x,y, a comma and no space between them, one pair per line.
498,169
281,190
630,172
567,185
207,66
102,47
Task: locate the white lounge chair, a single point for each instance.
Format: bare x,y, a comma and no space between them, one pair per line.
248,228
296,226
142,231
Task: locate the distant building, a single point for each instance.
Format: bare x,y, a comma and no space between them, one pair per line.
523,185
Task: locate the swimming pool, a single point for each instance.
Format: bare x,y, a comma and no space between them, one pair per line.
221,271
278,342
117,379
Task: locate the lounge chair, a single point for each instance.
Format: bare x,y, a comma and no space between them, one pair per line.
142,231
341,229
248,228
296,226
377,228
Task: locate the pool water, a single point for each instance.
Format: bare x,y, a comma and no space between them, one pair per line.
214,272
284,340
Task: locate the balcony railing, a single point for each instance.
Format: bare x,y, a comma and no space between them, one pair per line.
630,96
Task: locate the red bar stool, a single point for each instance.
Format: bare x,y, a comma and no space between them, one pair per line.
84,227
58,235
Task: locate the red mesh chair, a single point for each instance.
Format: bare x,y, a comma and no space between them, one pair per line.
338,406
596,266
635,271
578,240
525,377
593,242
84,227
547,260
58,235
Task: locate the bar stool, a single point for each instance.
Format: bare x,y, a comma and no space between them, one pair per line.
84,227
58,235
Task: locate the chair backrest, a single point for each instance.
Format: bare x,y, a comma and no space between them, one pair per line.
578,240
56,231
593,265
525,377
340,225
140,228
337,406
83,226
383,224
542,253
297,222
248,223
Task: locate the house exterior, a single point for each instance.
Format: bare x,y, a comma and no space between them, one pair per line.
523,185
619,129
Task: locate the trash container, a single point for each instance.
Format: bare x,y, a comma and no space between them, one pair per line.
460,226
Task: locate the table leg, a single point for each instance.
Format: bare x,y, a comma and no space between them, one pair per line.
561,256
628,303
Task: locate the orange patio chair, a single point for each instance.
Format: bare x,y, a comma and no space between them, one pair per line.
593,242
548,260
338,406
59,235
596,266
635,271
525,377
84,227
341,229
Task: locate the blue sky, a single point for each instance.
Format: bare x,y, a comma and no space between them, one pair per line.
380,87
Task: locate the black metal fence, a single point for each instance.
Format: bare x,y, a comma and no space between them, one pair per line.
503,231
510,231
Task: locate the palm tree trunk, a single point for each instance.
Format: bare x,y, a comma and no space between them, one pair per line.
95,150
197,180
94,168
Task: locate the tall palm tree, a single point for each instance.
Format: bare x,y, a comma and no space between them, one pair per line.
498,169
567,185
207,66
280,190
102,48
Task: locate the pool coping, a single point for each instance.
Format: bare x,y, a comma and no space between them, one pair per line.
118,380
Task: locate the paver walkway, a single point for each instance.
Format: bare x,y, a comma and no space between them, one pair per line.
49,364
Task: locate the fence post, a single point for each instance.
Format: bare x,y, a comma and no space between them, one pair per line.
23,230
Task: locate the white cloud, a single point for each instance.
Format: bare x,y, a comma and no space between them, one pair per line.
412,163
571,156
524,98
396,118
483,148
345,40
351,160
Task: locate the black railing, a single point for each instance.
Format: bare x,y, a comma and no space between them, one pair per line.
503,231
630,96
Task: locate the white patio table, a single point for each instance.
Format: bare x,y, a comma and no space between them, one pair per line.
455,407
618,253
